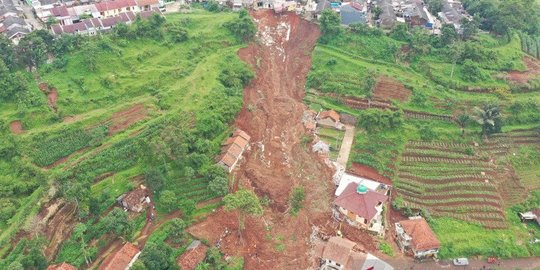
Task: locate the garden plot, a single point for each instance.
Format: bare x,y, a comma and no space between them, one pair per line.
451,180
333,138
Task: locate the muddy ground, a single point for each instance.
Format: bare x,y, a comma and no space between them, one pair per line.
278,161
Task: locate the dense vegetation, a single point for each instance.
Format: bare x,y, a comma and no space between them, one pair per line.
148,103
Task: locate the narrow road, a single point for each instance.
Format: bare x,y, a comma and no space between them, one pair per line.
346,145
405,263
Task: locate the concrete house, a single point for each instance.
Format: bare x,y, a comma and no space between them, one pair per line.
329,119
414,235
361,207
115,7
122,259
352,13
147,5
339,254
136,200
232,149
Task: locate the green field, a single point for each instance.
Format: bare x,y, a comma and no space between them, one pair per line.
133,108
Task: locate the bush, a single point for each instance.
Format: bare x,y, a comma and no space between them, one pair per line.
297,198
386,249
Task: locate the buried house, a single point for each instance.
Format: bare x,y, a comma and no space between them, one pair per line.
416,236
533,215
136,200
232,149
329,119
340,254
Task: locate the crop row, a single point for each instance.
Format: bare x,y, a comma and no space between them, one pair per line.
433,153
465,201
423,192
447,185
446,177
441,145
410,159
441,168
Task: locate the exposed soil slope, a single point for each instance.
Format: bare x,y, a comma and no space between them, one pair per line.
278,160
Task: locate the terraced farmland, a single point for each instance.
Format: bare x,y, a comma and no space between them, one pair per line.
452,180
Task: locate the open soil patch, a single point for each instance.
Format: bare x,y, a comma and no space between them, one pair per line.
522,77
369,173
123,119
51,93
16,127
390,89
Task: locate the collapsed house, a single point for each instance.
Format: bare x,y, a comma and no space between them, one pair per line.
232,149
340,254
329,119
533,215
136,200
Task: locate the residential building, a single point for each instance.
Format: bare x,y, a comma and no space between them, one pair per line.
136,200
340,254
194,254
61,266
416,14
353,13
122,259
113,8
453,13
346,178
12,22
92,26
232,149
415,236
329,119
533,215
361,207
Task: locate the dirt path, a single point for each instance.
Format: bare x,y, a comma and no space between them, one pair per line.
278,161
346,145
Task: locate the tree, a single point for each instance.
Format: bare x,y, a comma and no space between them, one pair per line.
122,30
177,228
219,186
297,198
448,35
154,179
471,71
400,32
243,27
463,120
435,6
168,200
7,52
187,206
330,24
178,33
470,27
489,117
78,234
246,202
32,51
377,11
117,222
156,257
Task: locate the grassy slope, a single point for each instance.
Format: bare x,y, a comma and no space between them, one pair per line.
183,74
380,149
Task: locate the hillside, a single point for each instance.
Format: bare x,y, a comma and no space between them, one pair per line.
149,104
416,101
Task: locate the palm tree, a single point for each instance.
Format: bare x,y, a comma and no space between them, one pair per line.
462,120
489,117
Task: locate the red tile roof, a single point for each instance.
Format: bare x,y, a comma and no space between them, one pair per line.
115,4
362,205
143,3
233,147
60,11
331,113
192,257
422,236
61,266
121,259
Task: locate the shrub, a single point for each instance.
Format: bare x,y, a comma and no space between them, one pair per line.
297,197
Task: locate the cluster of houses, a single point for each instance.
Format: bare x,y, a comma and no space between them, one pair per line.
351,12
340,253
92,18
416,13
12,22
